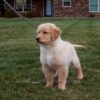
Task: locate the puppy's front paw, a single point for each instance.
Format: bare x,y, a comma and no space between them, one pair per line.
48,85
80,76
61,86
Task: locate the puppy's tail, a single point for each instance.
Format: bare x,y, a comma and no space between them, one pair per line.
79,46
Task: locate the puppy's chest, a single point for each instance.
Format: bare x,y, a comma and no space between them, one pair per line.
49,57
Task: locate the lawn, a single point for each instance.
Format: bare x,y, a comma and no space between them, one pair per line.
20,66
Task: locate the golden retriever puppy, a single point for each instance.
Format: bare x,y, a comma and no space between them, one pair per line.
56,55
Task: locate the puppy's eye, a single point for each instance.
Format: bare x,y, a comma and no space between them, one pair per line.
45,32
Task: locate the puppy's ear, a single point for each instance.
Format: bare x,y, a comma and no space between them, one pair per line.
55,33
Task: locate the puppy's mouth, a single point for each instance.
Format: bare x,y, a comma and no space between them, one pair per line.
43,43
39,41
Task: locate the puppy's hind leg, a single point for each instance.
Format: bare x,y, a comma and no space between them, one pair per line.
77,64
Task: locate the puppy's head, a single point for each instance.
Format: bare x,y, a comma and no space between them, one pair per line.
47,33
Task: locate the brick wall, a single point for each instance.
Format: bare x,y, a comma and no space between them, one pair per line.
79,8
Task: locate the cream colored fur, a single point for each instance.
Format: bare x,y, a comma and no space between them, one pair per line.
56,55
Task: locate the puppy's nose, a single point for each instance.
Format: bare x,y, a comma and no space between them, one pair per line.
37,39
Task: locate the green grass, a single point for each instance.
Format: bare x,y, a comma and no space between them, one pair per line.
19,60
